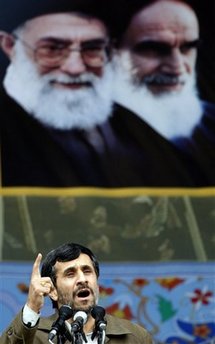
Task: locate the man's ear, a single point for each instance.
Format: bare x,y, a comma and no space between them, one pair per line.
7,42
53,294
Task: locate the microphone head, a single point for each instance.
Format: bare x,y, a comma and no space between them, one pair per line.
82,315
98,312
65,312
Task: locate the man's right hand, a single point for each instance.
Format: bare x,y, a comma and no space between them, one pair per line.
39,287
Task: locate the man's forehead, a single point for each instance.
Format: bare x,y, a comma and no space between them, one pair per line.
82,260
165,35
160,31
67,26
164,15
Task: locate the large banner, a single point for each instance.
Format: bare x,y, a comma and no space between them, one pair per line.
88,100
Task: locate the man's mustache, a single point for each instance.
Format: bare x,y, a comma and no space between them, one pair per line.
163,79
86,78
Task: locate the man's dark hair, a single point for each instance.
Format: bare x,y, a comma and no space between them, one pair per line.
65,253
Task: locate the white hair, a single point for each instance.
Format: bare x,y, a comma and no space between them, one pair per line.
59,108
171,114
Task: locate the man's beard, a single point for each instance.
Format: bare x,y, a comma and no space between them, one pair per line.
172,114
68,299
59,108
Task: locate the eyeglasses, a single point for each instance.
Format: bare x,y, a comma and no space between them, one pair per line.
51,53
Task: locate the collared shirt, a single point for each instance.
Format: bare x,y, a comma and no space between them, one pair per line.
30,317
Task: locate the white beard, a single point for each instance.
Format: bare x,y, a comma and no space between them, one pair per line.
59,108
170,114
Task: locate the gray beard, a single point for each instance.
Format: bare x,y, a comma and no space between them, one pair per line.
170,114
59,108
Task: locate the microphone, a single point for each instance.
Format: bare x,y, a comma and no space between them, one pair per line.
65,312
80,318
98,314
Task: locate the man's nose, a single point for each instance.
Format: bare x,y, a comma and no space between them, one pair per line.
73,64
81,277
174,62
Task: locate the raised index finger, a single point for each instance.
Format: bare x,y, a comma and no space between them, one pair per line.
36,266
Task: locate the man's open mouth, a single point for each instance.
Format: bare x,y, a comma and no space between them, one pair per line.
83,293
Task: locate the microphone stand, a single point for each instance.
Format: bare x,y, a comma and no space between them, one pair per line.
98,314
100,331
78,337
58,326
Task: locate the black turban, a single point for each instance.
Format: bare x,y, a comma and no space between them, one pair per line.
15,12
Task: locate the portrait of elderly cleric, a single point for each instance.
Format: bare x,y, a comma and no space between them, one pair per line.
157,76
59,124
69,276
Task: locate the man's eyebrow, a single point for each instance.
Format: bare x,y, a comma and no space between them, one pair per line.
54,40
96,41
192,44
74,268
89,42
86,266
152,44
69,269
